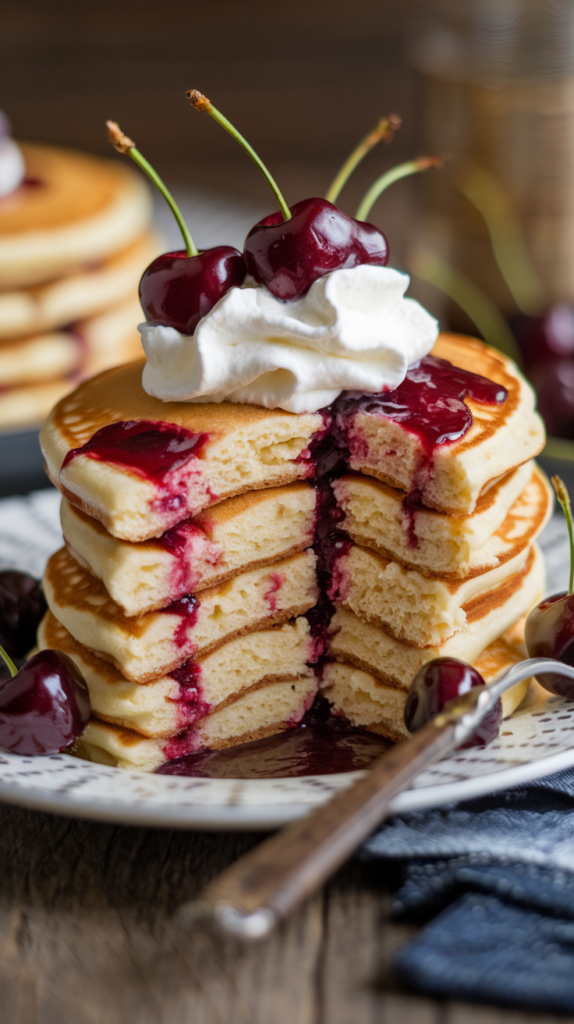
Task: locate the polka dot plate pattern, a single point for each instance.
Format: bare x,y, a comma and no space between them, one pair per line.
537,741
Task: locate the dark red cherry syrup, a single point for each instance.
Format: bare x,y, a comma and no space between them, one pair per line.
163,453
320,745
152,450
428,403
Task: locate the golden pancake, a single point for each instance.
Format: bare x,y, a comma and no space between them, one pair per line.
262,712
452,477
67,299
361,698
145,646
252,529
76,209
170,703
243,448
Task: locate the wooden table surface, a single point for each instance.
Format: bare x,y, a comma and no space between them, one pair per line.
87,936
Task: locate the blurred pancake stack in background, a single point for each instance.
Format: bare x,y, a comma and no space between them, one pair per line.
75,237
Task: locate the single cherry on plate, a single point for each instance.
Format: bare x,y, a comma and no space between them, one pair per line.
439,682
44,706
22,606
549,630
179,288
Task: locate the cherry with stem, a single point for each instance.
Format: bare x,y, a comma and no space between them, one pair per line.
179,288
201,102
294,247
44,706
383,131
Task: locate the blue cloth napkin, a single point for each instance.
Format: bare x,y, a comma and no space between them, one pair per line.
494,879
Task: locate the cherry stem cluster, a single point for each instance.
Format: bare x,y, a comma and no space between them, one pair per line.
8,662
422,163
384,130
564,499
124,145
201,102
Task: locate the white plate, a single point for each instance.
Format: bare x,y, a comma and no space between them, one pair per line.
537,741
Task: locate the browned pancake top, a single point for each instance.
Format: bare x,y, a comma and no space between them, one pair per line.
486,603
117,395
74,187
475,357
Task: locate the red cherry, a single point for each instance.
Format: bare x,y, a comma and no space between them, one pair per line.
177,290
545,338
45,706
440,681
22,605
549,633
289,255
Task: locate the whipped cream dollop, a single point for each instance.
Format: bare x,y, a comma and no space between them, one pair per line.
353,331
12,166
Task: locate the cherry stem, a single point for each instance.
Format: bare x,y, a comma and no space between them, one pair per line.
477,305
124,145
384,130
201,102
8,662
511,253
422,163
564,499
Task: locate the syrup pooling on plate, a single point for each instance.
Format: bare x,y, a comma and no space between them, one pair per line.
320,745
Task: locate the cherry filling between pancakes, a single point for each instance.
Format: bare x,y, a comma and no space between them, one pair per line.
430,404
163,453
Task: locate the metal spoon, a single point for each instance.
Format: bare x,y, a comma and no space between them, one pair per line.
249,898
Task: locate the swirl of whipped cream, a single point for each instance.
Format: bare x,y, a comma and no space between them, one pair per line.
352,331
12,166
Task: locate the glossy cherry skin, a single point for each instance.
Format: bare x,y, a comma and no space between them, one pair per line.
177,290
549,633
22,606
546,338
554,386
440,681
45,707
288,256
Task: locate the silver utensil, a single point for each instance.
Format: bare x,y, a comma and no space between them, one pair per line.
249,898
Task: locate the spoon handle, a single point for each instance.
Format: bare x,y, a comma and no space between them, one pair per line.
264,886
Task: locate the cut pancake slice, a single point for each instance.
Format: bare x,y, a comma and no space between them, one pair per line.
361,698
145,646
77,296
170,703
237,534
368,647
453,475
420,610
186,457
378,516
269,709
82,209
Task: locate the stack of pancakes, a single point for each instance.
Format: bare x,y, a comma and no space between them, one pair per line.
183,587
74,240
186,614
450,575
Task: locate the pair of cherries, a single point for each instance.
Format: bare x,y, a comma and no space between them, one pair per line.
286,251
44,706
549,633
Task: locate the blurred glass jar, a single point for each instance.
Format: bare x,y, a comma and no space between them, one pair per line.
498,94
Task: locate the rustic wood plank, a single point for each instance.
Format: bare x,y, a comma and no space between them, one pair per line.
87,936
